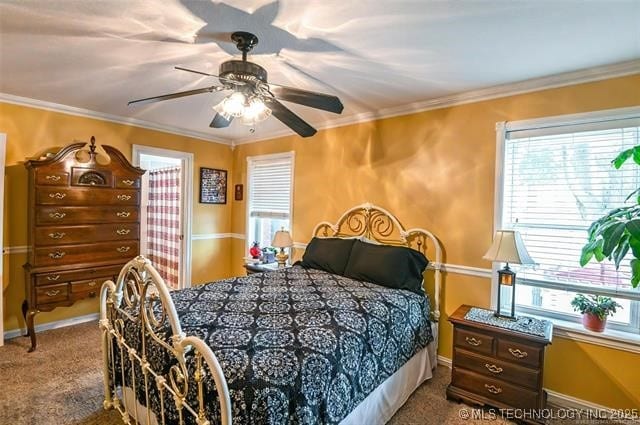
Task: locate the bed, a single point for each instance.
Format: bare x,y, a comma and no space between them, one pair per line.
298,345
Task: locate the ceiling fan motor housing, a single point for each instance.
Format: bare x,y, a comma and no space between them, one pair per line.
243,71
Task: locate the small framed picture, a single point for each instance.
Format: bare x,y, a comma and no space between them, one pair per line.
213,186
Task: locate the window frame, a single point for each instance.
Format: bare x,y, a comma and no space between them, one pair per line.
502,128
274,156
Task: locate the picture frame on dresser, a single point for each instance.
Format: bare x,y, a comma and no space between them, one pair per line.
83,226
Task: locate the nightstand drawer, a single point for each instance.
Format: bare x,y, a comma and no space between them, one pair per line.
518,352
474,341
488,366
494,389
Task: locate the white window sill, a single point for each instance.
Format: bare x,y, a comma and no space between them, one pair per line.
609,338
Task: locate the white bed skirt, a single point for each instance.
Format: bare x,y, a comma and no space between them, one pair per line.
377,408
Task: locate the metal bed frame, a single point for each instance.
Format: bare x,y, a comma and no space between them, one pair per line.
139,287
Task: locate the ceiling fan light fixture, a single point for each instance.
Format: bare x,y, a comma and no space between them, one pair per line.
232,105
255,112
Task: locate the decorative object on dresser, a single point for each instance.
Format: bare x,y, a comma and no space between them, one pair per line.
83,226
261,267
282,239
507,247
498,362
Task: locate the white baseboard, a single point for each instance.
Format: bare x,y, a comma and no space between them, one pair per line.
14,333
558,399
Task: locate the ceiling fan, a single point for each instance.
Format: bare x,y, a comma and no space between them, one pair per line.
253,98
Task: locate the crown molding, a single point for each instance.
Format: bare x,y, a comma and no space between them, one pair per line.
87,113
597,73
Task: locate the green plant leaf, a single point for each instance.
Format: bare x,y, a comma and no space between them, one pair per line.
621,158
634,243
636,154
587,253
611,237
621,250
598,251
633,227
635,272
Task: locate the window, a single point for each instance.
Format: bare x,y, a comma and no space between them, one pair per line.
557,178
270,181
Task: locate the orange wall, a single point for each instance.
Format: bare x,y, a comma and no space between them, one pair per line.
435,169
31,132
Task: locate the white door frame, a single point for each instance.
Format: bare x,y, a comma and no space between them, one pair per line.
3,146
187,202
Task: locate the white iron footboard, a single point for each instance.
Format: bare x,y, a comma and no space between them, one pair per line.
140,288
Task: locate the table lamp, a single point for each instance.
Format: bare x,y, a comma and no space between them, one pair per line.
507,247
282,239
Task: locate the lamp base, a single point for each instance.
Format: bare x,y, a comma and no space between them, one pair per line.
281,258
505,316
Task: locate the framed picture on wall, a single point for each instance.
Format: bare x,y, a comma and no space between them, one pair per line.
213,186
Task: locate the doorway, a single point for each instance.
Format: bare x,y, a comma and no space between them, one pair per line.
165,222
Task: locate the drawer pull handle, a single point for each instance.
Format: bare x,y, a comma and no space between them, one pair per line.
92,283
57,195
52,293
57,215
124,197
123,214
493,368
92,294
493,389
57,235
473,341
57,255
53,178
123,231
128,182
123,249
53,278
518,353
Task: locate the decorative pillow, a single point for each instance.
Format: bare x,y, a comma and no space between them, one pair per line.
328,254
391,266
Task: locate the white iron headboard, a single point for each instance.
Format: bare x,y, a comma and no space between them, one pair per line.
379,225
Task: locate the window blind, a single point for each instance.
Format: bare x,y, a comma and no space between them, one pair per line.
270,187
555,185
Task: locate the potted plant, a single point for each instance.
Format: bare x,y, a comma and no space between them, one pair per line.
613,235
594,309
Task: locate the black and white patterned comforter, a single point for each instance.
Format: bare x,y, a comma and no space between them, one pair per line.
300,345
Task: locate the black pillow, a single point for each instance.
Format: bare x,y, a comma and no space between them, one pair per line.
391,266
328,254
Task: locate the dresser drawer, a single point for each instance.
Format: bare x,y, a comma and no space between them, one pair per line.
87,288
52,178
494,389
64,235
85,196
85,253
75,275
86,215
519,353
495,368
131,182
473,341
52,293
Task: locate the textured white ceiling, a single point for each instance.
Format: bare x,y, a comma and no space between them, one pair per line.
373,54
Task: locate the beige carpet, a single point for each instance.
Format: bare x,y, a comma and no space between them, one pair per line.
61,383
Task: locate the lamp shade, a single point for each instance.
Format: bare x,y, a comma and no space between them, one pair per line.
282,239
508,247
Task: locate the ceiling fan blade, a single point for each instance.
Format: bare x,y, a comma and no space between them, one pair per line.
220,122
307,98
288,118
175,95
224,80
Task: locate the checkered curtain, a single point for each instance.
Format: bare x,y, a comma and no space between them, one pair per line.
163,223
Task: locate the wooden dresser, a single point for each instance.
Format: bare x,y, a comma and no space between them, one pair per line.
83,226
496,367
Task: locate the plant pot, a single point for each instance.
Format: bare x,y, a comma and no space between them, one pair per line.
593,323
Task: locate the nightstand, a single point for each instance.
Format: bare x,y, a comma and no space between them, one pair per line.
495,364
261,267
